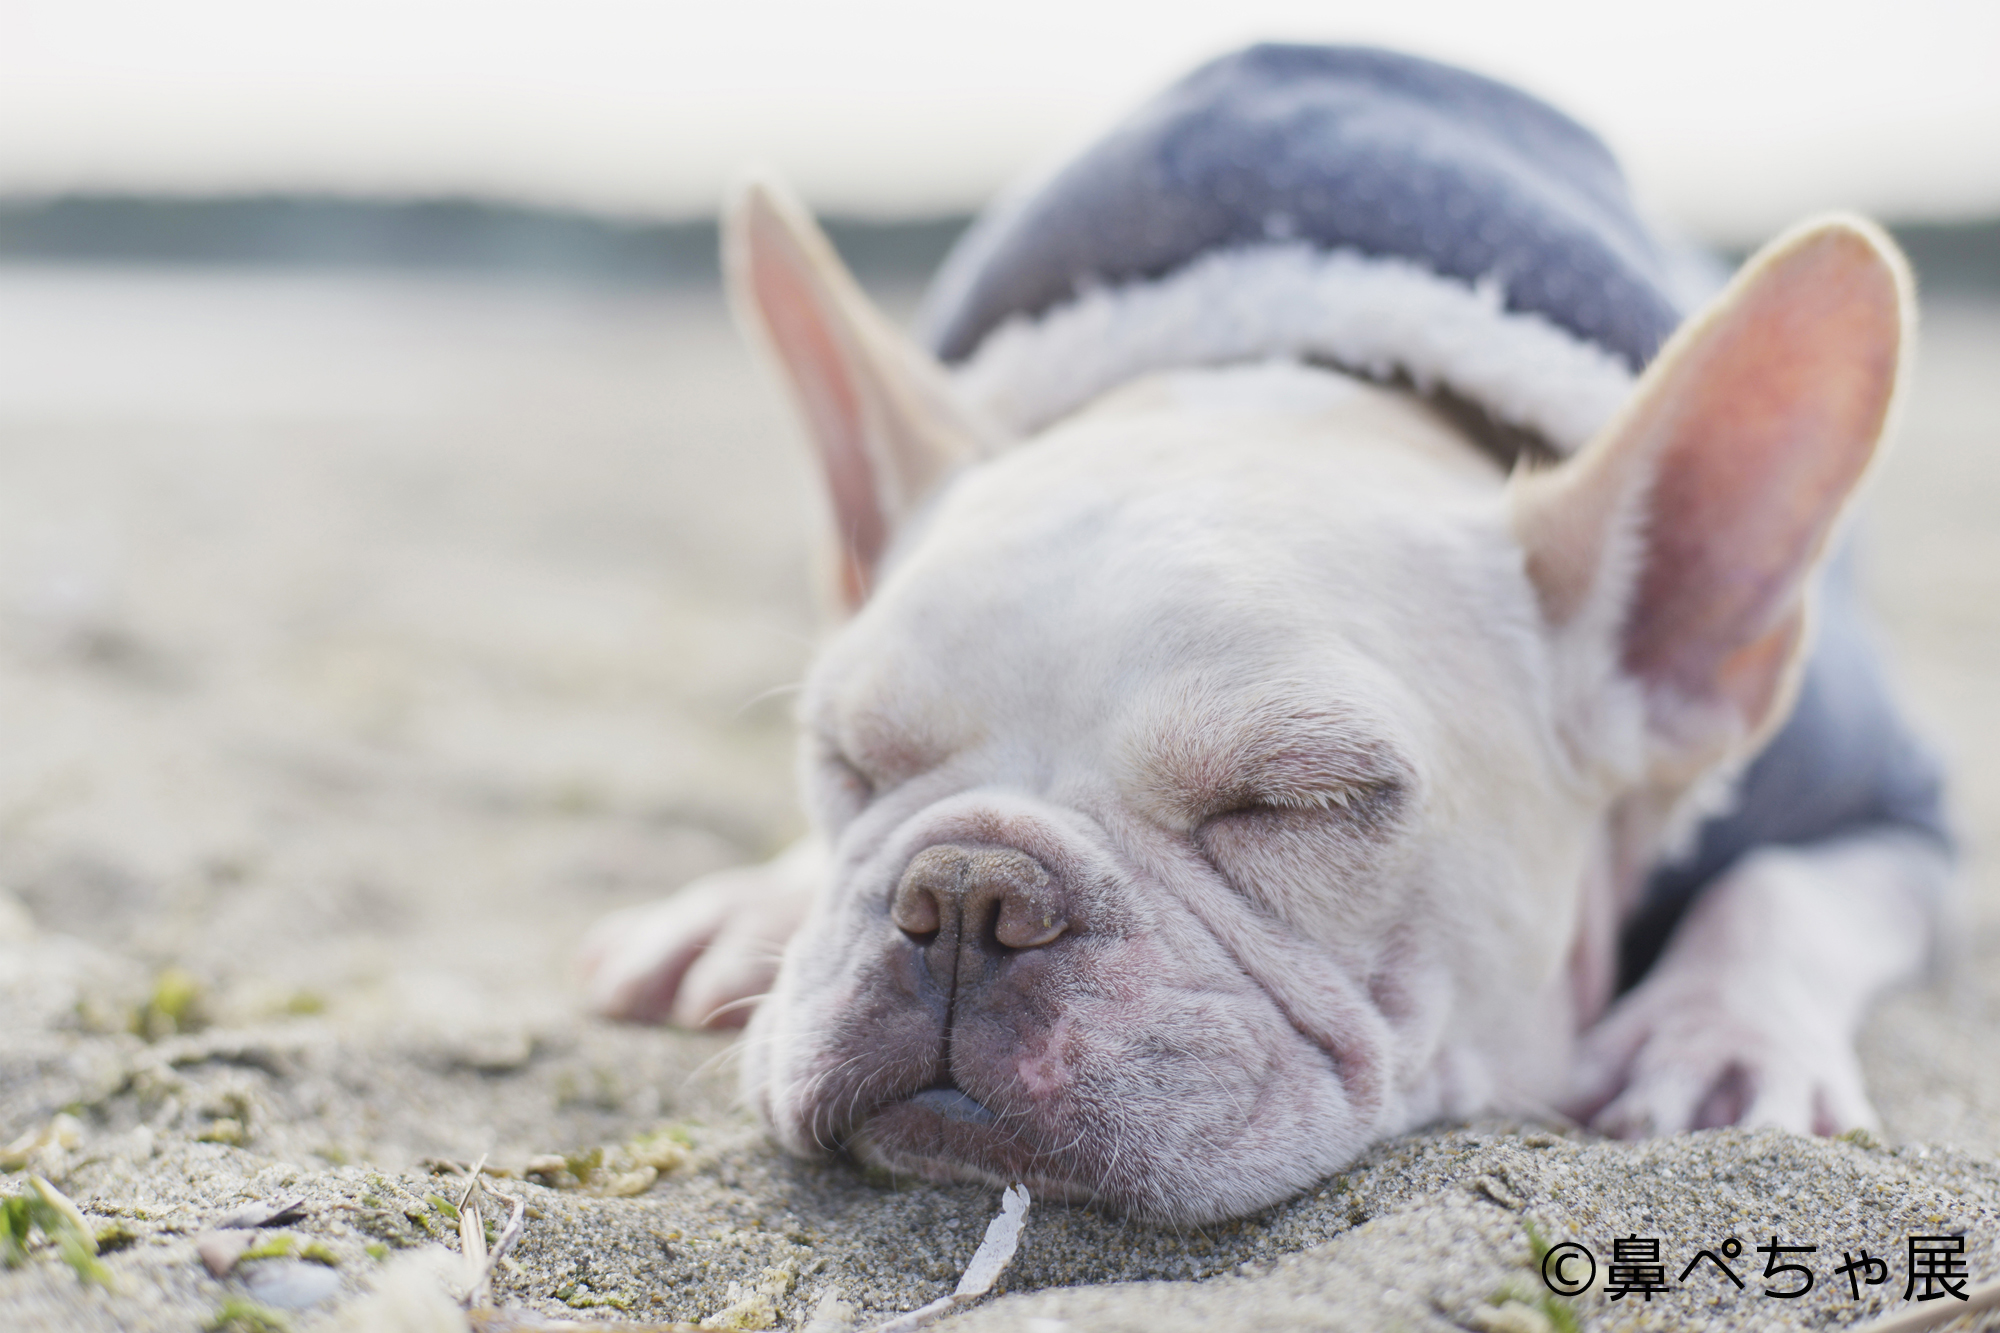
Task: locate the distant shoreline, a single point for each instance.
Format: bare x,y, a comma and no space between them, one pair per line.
508,240
462,235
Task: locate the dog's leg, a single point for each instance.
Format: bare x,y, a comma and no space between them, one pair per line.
1749,1016
696,959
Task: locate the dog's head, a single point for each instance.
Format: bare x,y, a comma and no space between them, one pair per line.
1243,768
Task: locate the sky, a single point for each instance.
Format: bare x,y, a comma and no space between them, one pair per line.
1734,117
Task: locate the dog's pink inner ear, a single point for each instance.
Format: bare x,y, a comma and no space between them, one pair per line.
879,411
817,365
1708,502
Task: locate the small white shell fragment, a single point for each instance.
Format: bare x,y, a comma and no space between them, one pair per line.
995,1252
290,1284
219,1250
832,1314
1003,1237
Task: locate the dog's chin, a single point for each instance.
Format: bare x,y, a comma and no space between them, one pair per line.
944,1135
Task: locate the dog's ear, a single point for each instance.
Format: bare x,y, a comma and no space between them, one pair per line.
1684,535
879,410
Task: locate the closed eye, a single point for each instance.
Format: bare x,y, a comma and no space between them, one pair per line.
1331,800
846,771
1337,798
1353,815
844,789
1291,849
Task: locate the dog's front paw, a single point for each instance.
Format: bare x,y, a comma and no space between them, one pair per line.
1697,1050
702,957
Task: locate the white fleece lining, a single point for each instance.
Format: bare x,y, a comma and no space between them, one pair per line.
1376,316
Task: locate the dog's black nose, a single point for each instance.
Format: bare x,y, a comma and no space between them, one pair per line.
958,902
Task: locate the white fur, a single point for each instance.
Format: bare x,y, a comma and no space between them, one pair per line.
1365,983
1374,316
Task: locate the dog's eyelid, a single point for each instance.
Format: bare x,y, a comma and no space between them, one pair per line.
1324,799
1310,754
848,768
830,754
1334,800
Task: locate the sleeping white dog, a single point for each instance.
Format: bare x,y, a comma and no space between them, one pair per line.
1305,618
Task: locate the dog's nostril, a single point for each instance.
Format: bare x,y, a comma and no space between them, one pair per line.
987,899
915,911
1028,921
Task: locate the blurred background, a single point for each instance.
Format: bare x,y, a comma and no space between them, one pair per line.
401,563
574,137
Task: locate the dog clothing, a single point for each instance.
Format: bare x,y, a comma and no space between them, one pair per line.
1417,224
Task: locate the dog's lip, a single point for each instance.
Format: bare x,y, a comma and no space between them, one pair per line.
942,1133
953,1103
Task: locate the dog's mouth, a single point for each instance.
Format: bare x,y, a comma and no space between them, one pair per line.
942,1131
953,1103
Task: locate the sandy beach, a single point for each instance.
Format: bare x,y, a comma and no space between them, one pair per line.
364,638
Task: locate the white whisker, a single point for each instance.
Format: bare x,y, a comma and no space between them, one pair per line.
721,1009
789,687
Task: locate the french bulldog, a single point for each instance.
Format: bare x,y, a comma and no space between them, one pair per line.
1316,609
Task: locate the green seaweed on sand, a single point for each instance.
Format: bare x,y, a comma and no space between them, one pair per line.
239,1315
42,1207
